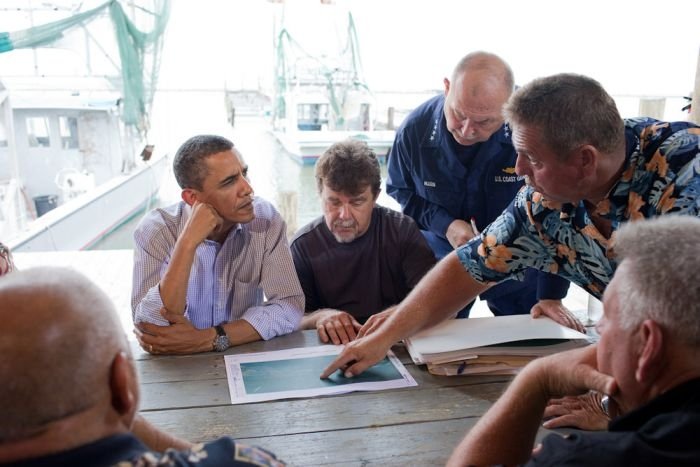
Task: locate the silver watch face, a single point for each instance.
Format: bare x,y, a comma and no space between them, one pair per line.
221,343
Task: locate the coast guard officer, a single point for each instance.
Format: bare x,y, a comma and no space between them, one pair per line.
452,169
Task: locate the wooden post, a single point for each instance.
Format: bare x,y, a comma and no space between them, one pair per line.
287,205
652,107
695,105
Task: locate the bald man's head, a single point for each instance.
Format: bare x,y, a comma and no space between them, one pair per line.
492,72
481,83
60,335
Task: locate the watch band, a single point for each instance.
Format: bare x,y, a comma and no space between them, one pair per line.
220,330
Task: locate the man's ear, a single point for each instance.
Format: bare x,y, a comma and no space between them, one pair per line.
189,196
651,357
376,197
124,388
588,160
446,82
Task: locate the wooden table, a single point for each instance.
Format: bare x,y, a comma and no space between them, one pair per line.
188,396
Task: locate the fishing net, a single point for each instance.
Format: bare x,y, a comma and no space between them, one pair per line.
139,51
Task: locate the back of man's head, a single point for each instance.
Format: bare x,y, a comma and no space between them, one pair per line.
349,167
660,257
189,165
59,338
570,110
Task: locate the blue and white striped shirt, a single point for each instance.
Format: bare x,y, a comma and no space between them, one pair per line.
250,276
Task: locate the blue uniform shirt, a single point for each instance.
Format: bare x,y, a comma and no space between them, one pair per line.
436,180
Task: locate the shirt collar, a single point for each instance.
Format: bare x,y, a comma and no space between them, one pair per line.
673,400
437,131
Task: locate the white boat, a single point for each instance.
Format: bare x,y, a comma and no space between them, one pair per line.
75,95
68,169
320,93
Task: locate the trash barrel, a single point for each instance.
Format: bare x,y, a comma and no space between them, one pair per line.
45,203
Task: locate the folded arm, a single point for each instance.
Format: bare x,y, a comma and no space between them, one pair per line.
173,285
180,337
506,433
163,263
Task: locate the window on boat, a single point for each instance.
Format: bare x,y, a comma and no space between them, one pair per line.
38,132
312,117
68,127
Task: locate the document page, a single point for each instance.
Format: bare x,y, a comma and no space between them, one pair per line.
294,373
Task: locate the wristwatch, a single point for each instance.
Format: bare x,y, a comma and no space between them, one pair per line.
221,341
605,405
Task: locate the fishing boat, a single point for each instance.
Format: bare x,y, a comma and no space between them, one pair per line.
75,159
68,173
321,96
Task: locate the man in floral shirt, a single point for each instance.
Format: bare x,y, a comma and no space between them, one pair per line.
584,185
588,171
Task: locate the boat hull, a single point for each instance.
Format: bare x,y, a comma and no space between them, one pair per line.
307,146
80,223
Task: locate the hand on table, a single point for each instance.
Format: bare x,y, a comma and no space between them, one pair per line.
180,337
583,412
336,326
555,310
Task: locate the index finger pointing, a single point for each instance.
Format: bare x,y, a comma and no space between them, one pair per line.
340,362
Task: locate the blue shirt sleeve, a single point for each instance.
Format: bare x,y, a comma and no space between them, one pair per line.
551,286
401,186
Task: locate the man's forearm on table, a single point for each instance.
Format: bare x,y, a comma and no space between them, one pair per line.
241,332
446,289
506,433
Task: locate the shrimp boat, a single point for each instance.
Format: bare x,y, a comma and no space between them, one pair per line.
68,171
320,95
75,160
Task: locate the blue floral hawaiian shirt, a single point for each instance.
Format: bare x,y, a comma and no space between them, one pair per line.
661,176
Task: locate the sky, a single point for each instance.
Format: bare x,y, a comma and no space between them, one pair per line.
632,47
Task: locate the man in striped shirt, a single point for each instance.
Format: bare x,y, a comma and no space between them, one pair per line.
213,270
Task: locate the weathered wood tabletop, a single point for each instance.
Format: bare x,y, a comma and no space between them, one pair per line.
188,396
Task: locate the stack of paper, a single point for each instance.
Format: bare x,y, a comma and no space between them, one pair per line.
497,345
487,365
